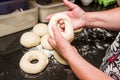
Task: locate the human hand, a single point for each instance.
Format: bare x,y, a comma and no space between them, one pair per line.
60,44
76,14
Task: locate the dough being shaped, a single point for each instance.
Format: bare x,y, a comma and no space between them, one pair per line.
40,29
59,58
26,62
68,32
44,42
29,39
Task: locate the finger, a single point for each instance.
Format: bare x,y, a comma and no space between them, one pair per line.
74,49
57,33
62,26
61,21
49,17
52,42
69,4
61,42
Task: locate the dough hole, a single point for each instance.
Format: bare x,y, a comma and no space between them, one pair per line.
33,62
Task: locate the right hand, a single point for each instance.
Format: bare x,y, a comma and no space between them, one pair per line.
75,13
61,45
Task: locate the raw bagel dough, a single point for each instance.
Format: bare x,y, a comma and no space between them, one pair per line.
44,42
59,58
78,30
33,68
68,33
40,29
29,39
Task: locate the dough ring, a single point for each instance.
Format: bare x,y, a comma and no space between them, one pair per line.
68,33
29,39
40,29
26,62
59,58
44,42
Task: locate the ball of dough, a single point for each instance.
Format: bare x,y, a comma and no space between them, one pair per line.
68,33
44,42
26,62
29,39
40,29
59,58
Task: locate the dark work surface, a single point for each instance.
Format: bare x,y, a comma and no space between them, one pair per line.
90,43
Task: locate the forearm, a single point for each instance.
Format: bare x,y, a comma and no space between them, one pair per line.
84,70
109,19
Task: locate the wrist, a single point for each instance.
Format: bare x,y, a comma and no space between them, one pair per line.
83,20
88,19
73,57
93,19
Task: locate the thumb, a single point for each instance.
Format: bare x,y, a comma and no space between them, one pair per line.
52,42
49,17
69,4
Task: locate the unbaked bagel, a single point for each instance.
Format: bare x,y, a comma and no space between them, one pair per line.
44,42
29,39
59,58
40,29
68,33
78,30
26,62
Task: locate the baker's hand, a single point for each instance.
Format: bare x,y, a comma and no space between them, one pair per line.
76,14
60,44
